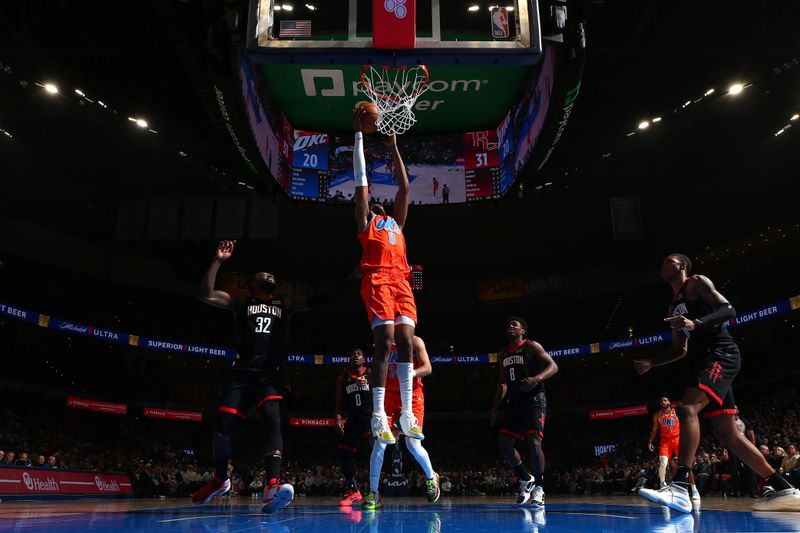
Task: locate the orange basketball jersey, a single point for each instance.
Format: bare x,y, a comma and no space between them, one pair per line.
384,246
668,424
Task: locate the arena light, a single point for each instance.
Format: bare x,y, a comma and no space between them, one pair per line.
79,92
311,7
795,117
509,8
709,92
101,104
288,7
736,88
657,119
51,88
473,8
142,123
7,134
643,125
277,7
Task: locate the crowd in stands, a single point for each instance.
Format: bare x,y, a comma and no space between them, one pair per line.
160,467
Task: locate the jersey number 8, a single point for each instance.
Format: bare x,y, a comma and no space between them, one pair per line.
511,374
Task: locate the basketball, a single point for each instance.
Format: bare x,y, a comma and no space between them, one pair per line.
370,117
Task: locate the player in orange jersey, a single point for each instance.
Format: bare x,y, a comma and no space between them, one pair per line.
422,368
385,287
666,424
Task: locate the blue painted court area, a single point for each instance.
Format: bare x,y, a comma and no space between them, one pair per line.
443,518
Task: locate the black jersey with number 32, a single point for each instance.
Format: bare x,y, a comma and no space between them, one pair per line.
517,365
260,334
359,396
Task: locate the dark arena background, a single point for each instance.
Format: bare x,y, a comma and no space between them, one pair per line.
562,150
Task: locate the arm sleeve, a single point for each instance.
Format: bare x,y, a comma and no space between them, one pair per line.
721,314
359,162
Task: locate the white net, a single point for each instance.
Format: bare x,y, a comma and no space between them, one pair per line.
394,91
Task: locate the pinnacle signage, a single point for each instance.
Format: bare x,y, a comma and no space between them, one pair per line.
312,422
323,96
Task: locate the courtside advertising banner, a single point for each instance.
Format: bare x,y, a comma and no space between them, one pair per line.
32,481
618,412
167,414
312,422
92,405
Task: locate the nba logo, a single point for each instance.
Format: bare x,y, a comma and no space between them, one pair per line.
500,23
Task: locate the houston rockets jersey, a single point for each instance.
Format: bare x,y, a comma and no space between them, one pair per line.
259,333
383,245
668,424
359,396
518,366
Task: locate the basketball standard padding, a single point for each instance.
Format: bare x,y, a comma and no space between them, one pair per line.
370,117
394,24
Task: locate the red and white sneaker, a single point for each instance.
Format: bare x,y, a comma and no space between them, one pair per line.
351,497
277,496
215,487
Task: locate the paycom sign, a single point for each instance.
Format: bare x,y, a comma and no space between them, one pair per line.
322,97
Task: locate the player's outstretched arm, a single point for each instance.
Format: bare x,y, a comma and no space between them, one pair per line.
207,293
400,208
421,353
361,197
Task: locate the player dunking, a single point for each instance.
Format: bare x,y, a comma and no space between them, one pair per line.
353,412
698,315
524,365
385,287
421,369
256,378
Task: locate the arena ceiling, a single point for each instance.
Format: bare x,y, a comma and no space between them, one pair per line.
714,169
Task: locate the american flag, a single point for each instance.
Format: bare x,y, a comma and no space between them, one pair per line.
295,28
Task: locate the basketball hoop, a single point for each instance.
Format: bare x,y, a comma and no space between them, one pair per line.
394,91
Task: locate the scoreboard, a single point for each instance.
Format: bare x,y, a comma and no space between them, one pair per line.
309,165
481,165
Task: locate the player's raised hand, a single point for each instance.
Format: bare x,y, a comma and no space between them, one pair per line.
358,112
224,250
641,366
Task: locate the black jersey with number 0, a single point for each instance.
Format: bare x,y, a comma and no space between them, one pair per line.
359,396
704,338
518,365
260,339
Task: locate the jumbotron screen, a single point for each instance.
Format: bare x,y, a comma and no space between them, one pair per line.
442,169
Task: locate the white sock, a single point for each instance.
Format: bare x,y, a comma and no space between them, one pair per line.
378,394
375,465
421,455
405,377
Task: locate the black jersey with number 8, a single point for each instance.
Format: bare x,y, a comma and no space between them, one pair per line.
517,365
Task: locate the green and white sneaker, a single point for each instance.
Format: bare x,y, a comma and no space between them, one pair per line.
432,488
371,501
